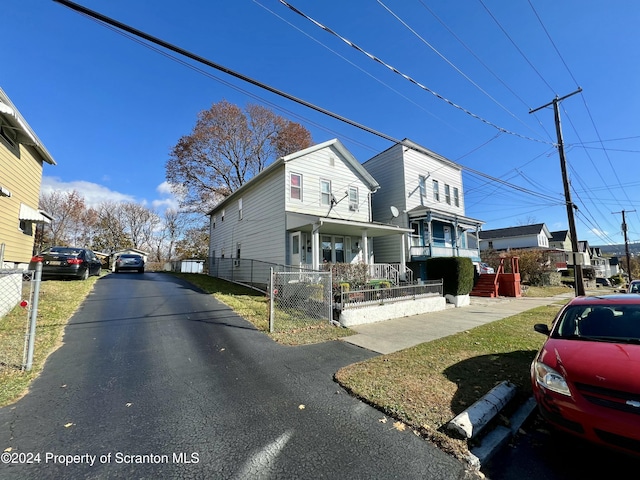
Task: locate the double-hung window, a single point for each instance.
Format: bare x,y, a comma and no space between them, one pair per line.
422,182
325,192
295,186
447,194
353,198
436,191
456,197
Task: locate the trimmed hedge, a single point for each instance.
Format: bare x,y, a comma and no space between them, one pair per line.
457,274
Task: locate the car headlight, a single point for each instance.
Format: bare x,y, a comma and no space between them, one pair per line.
550,379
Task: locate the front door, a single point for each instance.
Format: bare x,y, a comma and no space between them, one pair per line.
294,242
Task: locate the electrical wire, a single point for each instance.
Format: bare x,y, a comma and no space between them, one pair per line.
407,77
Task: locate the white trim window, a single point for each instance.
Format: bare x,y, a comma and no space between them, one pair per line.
325,192
239,209
295,186
436,191
447,194
354,200
456,197
422,183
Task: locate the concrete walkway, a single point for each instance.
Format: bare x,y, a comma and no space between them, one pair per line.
392,335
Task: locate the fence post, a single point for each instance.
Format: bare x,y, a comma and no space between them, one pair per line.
271,300
33,315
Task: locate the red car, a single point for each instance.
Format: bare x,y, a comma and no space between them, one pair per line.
586,376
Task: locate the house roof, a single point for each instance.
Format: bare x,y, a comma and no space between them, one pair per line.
335,143
436,214
559,235
26,135
520,231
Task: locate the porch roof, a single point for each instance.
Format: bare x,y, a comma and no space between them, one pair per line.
440,215
335,226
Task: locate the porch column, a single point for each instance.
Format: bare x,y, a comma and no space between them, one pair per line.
315,247
365,247
403,260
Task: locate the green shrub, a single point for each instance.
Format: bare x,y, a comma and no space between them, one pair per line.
457,274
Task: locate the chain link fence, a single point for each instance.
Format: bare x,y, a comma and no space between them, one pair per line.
16,302
299,299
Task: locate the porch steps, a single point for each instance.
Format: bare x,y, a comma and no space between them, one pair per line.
486,286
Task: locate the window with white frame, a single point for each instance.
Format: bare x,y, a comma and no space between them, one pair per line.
353,198
456,197
422,183
447,194
325,192
436,191
239,209
295,186
222,215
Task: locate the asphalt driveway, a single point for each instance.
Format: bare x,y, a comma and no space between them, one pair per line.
157,380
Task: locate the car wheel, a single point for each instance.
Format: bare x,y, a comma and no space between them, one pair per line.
85,274
141,270
99,272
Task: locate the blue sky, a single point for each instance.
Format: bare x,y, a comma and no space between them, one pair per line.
109,109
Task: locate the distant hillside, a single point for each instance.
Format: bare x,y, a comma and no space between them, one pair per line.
634,248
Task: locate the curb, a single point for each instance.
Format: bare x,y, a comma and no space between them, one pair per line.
472,421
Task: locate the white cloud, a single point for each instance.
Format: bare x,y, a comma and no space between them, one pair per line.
92,193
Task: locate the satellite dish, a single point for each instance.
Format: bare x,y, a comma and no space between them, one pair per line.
394,211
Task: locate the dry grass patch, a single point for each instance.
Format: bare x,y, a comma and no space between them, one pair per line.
58,300
254,307
428,385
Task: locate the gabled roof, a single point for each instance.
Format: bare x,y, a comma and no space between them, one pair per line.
335,143
559,235
520,231
26,135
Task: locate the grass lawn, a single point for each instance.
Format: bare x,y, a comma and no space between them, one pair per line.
58,300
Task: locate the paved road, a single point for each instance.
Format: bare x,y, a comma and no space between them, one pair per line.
156,380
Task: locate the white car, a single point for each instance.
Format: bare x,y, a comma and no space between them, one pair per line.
485,268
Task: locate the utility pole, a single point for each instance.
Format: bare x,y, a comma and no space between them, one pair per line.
626,242
577,269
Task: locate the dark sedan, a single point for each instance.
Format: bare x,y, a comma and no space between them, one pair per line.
129,261
67,262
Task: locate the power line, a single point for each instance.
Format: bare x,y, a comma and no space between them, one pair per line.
405,76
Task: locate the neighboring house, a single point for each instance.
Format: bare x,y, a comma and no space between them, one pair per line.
22,156
421,191
560,244
513,238
303,210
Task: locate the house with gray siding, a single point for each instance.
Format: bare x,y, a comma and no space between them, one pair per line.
422,191
304,210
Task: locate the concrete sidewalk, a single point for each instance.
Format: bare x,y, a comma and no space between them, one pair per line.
392,335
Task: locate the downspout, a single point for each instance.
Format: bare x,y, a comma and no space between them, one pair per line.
315,246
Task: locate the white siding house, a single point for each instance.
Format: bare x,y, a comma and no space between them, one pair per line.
525,236
423,192
305,209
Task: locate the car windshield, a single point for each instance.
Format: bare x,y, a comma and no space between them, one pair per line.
615,323
131,256
635,288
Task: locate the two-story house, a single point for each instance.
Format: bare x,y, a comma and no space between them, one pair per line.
523,236
305,209
423,192
22,156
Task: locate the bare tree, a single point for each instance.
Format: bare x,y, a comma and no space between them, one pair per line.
110,231
226,148
139,222
67,210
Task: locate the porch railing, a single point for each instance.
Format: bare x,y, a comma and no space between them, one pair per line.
433,251
391,271
380,296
